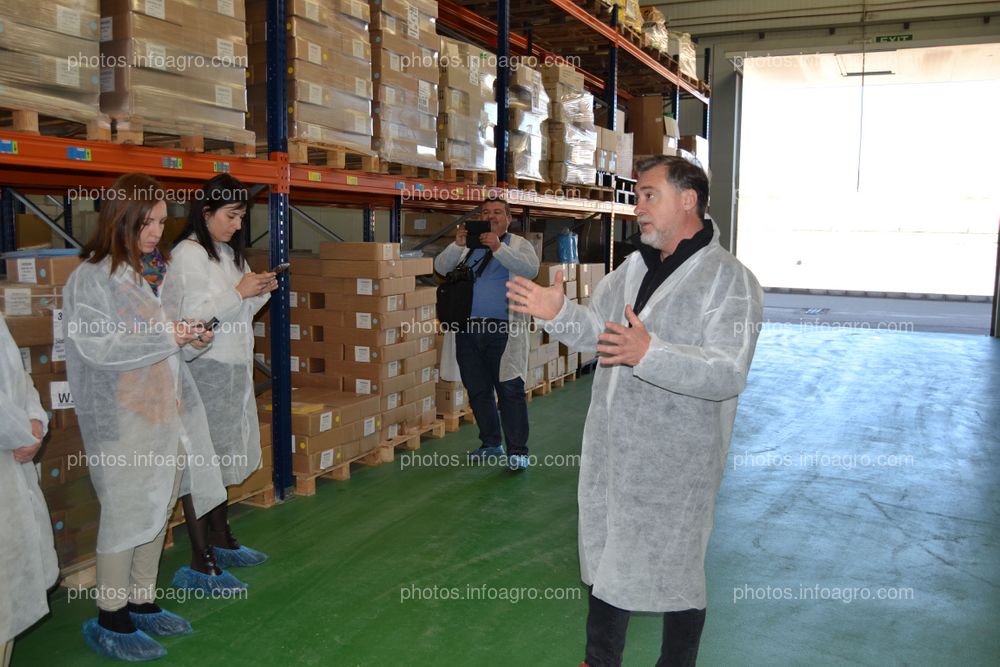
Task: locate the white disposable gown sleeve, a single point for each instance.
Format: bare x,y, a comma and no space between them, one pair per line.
28,565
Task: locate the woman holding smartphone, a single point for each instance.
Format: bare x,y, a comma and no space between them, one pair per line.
143,424
209,279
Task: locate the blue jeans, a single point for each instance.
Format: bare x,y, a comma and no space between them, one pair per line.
478,356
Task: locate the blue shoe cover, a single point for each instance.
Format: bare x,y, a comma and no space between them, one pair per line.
133,646
161,624
216,586
242,557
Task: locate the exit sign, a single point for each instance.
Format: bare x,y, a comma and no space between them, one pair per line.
901,37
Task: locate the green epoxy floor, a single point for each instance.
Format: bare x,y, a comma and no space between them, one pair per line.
800,508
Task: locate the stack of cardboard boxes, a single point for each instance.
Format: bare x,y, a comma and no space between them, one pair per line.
32,306
405,75
175,66
529,110
50,58
654,133
654,29
571,132
329,72
468,116
681,48
363,333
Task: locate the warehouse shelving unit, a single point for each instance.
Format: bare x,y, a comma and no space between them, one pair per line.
45,165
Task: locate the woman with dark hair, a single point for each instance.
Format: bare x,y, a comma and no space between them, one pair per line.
143,423
210,279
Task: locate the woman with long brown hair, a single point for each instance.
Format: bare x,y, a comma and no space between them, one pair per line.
143,424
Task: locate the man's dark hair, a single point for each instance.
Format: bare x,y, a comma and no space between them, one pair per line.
681,174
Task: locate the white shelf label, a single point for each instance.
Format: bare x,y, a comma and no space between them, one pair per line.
361,88
226,8
425,375
362,354
67,74
59,350
325,421
391,335
58,332
427,404
394,63
326,459
420,223
25,358
60,395
362,320
412,22
156,8
294,363
459,397
315,54
315,93
394,431
223,96
26,270
426,343
68,21
17,301
258,329
426,312
156,56
393,369
259,356
293,443
358,48
312,11
293,299
369,427
387,251
364,287
295,332
107,80
362,386
226,50
392,400
107,28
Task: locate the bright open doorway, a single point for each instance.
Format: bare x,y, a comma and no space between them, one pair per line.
872,172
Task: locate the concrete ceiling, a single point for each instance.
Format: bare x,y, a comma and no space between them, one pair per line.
706,18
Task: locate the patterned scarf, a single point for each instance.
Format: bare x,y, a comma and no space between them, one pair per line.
153,269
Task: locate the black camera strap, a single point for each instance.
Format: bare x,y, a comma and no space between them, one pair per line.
480,264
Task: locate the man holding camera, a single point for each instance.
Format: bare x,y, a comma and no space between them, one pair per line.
492,348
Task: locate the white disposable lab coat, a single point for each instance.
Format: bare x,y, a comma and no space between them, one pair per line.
199,288
136,403
657,434
519,258
28,565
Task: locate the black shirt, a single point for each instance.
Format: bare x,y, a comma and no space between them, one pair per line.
658,270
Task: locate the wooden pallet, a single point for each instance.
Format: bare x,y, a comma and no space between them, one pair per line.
470,176
165,134
525,184
410,171
599,194
452,420
541,389
79,576
305,485
338,157
28,121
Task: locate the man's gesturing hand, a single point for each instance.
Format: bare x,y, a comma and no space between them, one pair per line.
528,297
621,345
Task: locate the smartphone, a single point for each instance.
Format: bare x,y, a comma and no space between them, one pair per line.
212,324
280,268
475,228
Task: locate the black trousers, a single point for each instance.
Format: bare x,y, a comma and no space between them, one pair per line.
607,625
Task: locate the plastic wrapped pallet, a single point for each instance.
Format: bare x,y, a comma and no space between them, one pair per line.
681,48
468,109
571,131
329,72
49,58
654,29
175,67
405,77
631,17
529,109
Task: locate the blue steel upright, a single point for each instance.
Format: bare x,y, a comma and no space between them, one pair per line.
279,220
503,87
8,229
368,218
395,219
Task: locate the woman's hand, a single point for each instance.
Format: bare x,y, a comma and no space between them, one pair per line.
257,284
27,453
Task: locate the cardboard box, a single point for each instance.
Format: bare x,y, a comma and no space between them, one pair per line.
362,269
377,321
451,400
570,289
41,270
418,266
561,73
359,251
366,354
421,296
31,330
547,273
420,361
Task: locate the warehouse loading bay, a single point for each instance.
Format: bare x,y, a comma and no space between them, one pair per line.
851,148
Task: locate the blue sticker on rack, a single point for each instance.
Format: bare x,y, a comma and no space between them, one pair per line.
220,167
172,163
8,146
400,185
78,153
